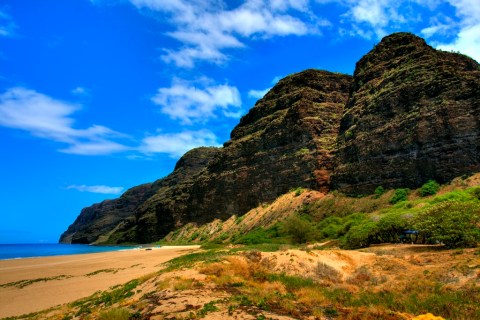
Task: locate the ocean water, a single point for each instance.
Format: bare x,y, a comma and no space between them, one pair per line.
16,251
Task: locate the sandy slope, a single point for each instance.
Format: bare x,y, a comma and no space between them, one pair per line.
122,266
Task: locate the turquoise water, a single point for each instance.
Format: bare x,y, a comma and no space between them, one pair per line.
15,251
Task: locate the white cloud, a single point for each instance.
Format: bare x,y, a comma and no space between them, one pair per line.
7,26
190,104
438,28
207,28
97,189
48,118
467,42
79,91
468,10
176,144
258,94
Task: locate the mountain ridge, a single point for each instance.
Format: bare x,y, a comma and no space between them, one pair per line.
319,130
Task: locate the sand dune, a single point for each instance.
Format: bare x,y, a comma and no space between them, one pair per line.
69,278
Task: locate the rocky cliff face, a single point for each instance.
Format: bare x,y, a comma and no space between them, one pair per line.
285,141
413,114
409,114
95,222
115,221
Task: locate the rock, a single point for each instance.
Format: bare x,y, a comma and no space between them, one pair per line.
101,218
413,114
112,221
285,141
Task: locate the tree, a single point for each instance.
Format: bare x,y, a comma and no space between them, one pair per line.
455,224
299,229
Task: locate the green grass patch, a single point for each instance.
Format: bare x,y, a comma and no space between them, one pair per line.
23,283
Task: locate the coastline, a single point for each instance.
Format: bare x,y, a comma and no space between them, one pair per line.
33,284
25,251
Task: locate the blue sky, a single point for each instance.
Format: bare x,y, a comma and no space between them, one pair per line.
99,96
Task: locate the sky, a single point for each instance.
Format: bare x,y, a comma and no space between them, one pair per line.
97,96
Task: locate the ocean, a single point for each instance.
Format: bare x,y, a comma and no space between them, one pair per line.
16,251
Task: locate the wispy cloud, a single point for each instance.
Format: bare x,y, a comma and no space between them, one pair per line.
467,40
97,189
176,144
191,103
48,118
258,94
7,25
79,91
205,29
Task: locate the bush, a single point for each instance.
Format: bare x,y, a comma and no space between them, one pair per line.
260,235
299,229
400,195
379,191
454,224
476,192
361,236
429,188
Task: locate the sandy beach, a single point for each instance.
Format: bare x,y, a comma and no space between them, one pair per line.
69,278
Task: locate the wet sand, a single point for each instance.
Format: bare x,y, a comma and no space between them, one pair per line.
70,276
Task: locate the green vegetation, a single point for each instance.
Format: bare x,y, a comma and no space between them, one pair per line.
104,270
189,260
379,191
23,283
452,223
357,222
259,235
105,298
300,230
430,188
115,314
298,191
400,195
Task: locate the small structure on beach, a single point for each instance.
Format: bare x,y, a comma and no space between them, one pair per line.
409,236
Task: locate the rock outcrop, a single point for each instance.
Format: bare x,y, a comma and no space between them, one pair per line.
285,141
409,114
116,221
413,114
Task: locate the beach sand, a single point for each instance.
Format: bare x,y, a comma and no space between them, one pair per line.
72,280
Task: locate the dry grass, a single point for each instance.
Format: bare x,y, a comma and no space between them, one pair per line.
325,272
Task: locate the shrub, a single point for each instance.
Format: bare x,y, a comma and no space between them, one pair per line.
476,192
361,236
379,191
454,224
400,195
326,272
429,188
299,229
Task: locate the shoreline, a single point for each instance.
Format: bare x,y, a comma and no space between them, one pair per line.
34,284
114,248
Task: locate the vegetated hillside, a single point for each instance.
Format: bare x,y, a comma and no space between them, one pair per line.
409,114
413,114
448,214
